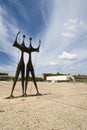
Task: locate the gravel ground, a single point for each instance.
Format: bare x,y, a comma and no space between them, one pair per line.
62,106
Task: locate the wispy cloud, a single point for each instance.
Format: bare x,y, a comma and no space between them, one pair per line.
64,33
42,7
73,27
67,34
21,8
67,56
7,33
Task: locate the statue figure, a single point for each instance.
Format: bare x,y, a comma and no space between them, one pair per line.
21,65
29,67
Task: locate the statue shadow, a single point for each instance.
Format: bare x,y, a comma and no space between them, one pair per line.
26,96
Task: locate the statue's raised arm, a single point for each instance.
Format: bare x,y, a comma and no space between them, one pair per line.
32,49
18,45
15,42
39,45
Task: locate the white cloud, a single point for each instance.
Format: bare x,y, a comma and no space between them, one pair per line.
73,20
67,34
53,63
67,56
73,27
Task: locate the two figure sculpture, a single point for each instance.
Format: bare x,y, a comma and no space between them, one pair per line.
21,66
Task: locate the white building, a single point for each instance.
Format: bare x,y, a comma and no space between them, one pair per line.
60,78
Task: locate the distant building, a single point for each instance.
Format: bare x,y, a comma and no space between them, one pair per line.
62,78
58,78
5,77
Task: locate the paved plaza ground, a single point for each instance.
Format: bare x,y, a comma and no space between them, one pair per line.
62,106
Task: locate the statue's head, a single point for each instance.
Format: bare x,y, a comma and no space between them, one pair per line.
30,38
23,36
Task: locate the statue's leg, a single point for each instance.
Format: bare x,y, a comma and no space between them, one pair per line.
15,80
34,80
22,79
26,80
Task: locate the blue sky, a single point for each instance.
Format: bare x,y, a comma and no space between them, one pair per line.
60,24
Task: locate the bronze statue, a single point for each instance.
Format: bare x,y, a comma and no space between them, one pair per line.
21,66
29,67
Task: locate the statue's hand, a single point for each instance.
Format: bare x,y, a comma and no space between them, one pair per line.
18,33
39,46
15,42
39,43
